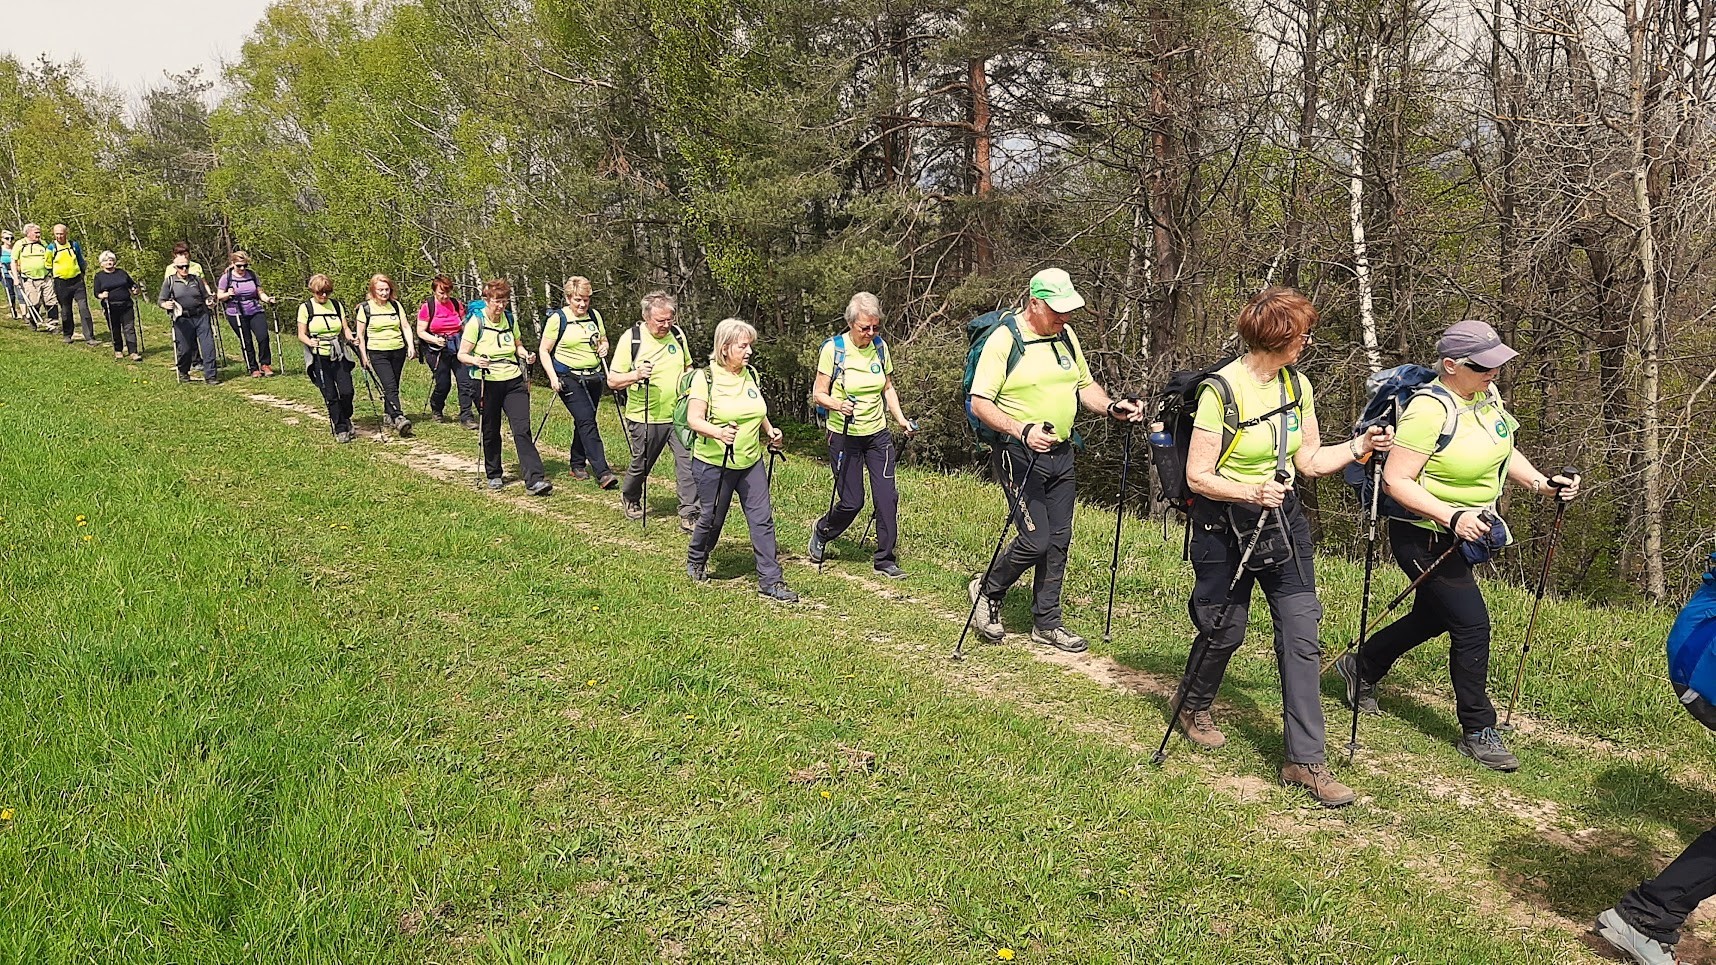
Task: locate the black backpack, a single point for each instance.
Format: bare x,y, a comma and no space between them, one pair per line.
1176,411
1389,393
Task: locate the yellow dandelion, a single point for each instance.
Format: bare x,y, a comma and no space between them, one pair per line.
1005,954
589,683
81,522
87,537
5,814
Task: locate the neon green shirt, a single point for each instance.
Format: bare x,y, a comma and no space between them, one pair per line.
321,321
1468,472
1043,387
495,340
863,375
576,348
670,360
31,258
736,400
196,270
384,321
1252,457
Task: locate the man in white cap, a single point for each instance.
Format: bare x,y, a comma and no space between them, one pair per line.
1029,383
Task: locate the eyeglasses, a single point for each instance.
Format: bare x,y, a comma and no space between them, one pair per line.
868,329
1479,369
1307,338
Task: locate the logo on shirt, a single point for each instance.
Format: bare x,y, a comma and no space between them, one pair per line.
1292,422
751,392
1066,363
672,349
1501,428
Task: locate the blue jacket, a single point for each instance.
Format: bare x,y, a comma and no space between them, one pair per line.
1691,657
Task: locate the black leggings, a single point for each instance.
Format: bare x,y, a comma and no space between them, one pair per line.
1660,906
334,378
511,399
387,365
252,332
1450,602
122,326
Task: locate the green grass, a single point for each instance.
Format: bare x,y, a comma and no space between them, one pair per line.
293,701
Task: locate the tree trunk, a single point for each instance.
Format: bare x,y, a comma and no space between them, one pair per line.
1640,16
1355,189
982,174
1310,94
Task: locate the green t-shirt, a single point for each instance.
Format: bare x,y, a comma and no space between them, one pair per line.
384,321
492,339
31,258
576,348
1043,387
671,361
1468,472
321,321
863,375
736,400
1251,459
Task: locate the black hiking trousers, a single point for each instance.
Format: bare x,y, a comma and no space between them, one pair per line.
849,457
1660,906
509,400
1046,496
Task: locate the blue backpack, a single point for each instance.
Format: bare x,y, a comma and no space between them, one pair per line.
1691,664
1390,392
820,412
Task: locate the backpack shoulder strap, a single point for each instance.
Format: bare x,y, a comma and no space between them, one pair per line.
1230,425
1017,352
560,313
882,352
1450,418
684,346
364,310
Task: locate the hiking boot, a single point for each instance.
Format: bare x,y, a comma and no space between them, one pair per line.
608,481
440,416
1357,691
468,422
687,523
818,547
1316,778
698,574
1486,747
633,510
268,371
891,570
779,592
1631,942
541,487
403,425
580,474
986,618
496,482
1060,638
1200,728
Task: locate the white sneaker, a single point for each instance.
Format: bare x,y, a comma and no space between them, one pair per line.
1628,940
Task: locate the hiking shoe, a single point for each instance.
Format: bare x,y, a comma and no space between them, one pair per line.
344,437
1357,691
608,481
403,425
1631,942
135,356
184,377
256,373
634,510
818,547
1486,747
687,523
468,422
541,487
496,482
268,371
211,381
68,339
580,474
779,592
440,416
1200,728
698,574
891,570
1316,778
1060,638
986,618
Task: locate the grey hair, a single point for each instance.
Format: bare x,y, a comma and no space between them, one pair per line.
32,225
655,299
863,304
730,331
106,255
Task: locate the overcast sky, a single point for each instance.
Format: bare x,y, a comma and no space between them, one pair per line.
130,44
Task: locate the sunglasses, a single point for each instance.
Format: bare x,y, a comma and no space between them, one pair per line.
1479,369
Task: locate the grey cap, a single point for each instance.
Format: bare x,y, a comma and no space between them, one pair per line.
1474,341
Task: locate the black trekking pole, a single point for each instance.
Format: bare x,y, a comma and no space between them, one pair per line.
1411,588
773,455
1542,585
547,411
1357,650
643,482
1119,514
1013,509
834,490
369,390
1195,657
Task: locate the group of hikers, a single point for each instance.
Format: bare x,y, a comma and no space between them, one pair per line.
1253,434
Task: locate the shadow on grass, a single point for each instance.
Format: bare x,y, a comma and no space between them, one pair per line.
1630,789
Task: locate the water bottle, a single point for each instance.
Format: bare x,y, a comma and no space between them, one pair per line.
1160,437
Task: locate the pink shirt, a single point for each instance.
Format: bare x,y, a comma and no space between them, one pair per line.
447,321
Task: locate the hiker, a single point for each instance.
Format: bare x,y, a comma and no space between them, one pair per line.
241,292
327,339
438,325
854,382
30,274
183,248
646,365
727,411
575,344
187,298
490,344
1456,447
66,258
385,343
1256,423
6,242
113,288
1030,399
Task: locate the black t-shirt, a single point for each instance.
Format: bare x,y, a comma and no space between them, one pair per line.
117,284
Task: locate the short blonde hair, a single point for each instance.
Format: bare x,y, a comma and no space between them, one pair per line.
377,279
107,256
321,284
730,332
577,285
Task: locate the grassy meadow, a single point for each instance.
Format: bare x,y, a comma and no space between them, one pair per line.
273,699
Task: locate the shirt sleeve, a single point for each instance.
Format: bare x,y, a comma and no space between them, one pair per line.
1209,415
992,364
468,337
622,354
700,386
887,362
1421,423
166,290
825,360
1307,401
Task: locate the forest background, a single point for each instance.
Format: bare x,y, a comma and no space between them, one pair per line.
1543,165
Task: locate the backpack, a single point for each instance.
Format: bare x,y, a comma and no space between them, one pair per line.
819,412
1389,393
977,331
678,335
1176,412
336,346
560,314
682,402
1691,664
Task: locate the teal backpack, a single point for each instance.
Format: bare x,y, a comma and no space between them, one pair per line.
977,331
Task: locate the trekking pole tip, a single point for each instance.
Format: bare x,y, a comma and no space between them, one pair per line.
1159,757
